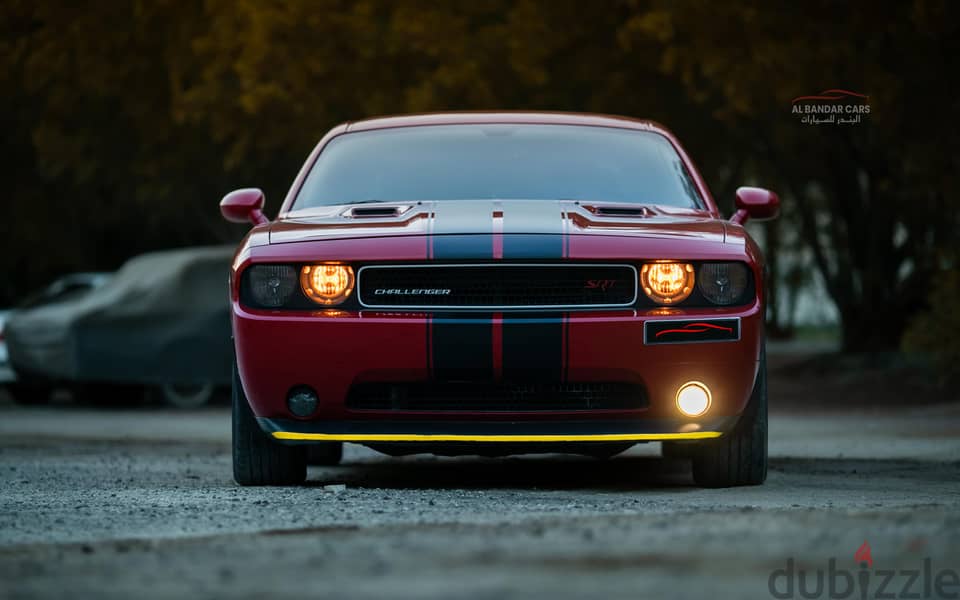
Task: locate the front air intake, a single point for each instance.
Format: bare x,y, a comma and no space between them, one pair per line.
480,397
620,211
375,211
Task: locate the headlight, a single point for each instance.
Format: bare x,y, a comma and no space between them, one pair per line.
327,284
272,285
667,282
722,283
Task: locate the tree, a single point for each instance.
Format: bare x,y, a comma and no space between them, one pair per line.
127,121
877,201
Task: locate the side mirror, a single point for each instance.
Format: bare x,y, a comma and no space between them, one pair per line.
755,203
240,206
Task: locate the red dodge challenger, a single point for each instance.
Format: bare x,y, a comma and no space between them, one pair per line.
498,283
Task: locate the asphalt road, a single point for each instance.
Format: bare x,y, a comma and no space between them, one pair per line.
140,503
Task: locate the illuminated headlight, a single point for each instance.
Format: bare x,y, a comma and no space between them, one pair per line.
667,282
722,283
272,285
327,284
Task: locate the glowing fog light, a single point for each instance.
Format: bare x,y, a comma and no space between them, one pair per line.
693,399
327,284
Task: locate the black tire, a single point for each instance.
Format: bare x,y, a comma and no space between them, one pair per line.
257,459
739,457
325,454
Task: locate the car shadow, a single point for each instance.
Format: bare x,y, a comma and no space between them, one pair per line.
621,473
550,472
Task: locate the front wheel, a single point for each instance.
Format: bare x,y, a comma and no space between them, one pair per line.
257,459
738,457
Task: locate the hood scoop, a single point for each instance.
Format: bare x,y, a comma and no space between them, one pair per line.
639,212
374,212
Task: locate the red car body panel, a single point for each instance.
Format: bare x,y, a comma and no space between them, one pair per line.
331,350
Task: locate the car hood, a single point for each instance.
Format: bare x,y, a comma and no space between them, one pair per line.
483,217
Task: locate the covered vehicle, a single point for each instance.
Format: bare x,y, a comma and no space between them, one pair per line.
68,287
497,283
6,373
162,321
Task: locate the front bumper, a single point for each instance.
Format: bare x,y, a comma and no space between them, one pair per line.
331,351
635,430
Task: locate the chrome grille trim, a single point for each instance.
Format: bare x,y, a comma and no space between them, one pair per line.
488,308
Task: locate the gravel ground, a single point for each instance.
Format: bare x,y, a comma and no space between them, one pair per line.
98,503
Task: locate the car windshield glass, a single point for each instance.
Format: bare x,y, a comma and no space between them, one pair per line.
64,289
540,162
50,296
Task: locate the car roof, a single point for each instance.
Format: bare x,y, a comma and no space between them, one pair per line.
517,117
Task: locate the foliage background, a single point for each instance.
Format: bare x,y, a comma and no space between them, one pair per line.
125,121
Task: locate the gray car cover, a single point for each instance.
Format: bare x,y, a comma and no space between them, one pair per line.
163,318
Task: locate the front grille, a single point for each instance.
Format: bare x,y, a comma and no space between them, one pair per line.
496,397
501,286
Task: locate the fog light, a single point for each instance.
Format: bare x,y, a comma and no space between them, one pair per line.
693,398
302,401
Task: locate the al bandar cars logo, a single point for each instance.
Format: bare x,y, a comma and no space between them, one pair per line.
863,582
831,107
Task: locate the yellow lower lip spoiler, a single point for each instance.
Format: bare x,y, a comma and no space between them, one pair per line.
443,437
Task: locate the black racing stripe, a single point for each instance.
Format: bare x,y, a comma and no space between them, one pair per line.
462,343
533,347
520,218
463,347
462,230
533,344
532,246
463,247
428,344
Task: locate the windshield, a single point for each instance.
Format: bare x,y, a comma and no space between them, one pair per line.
539,162
65,288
